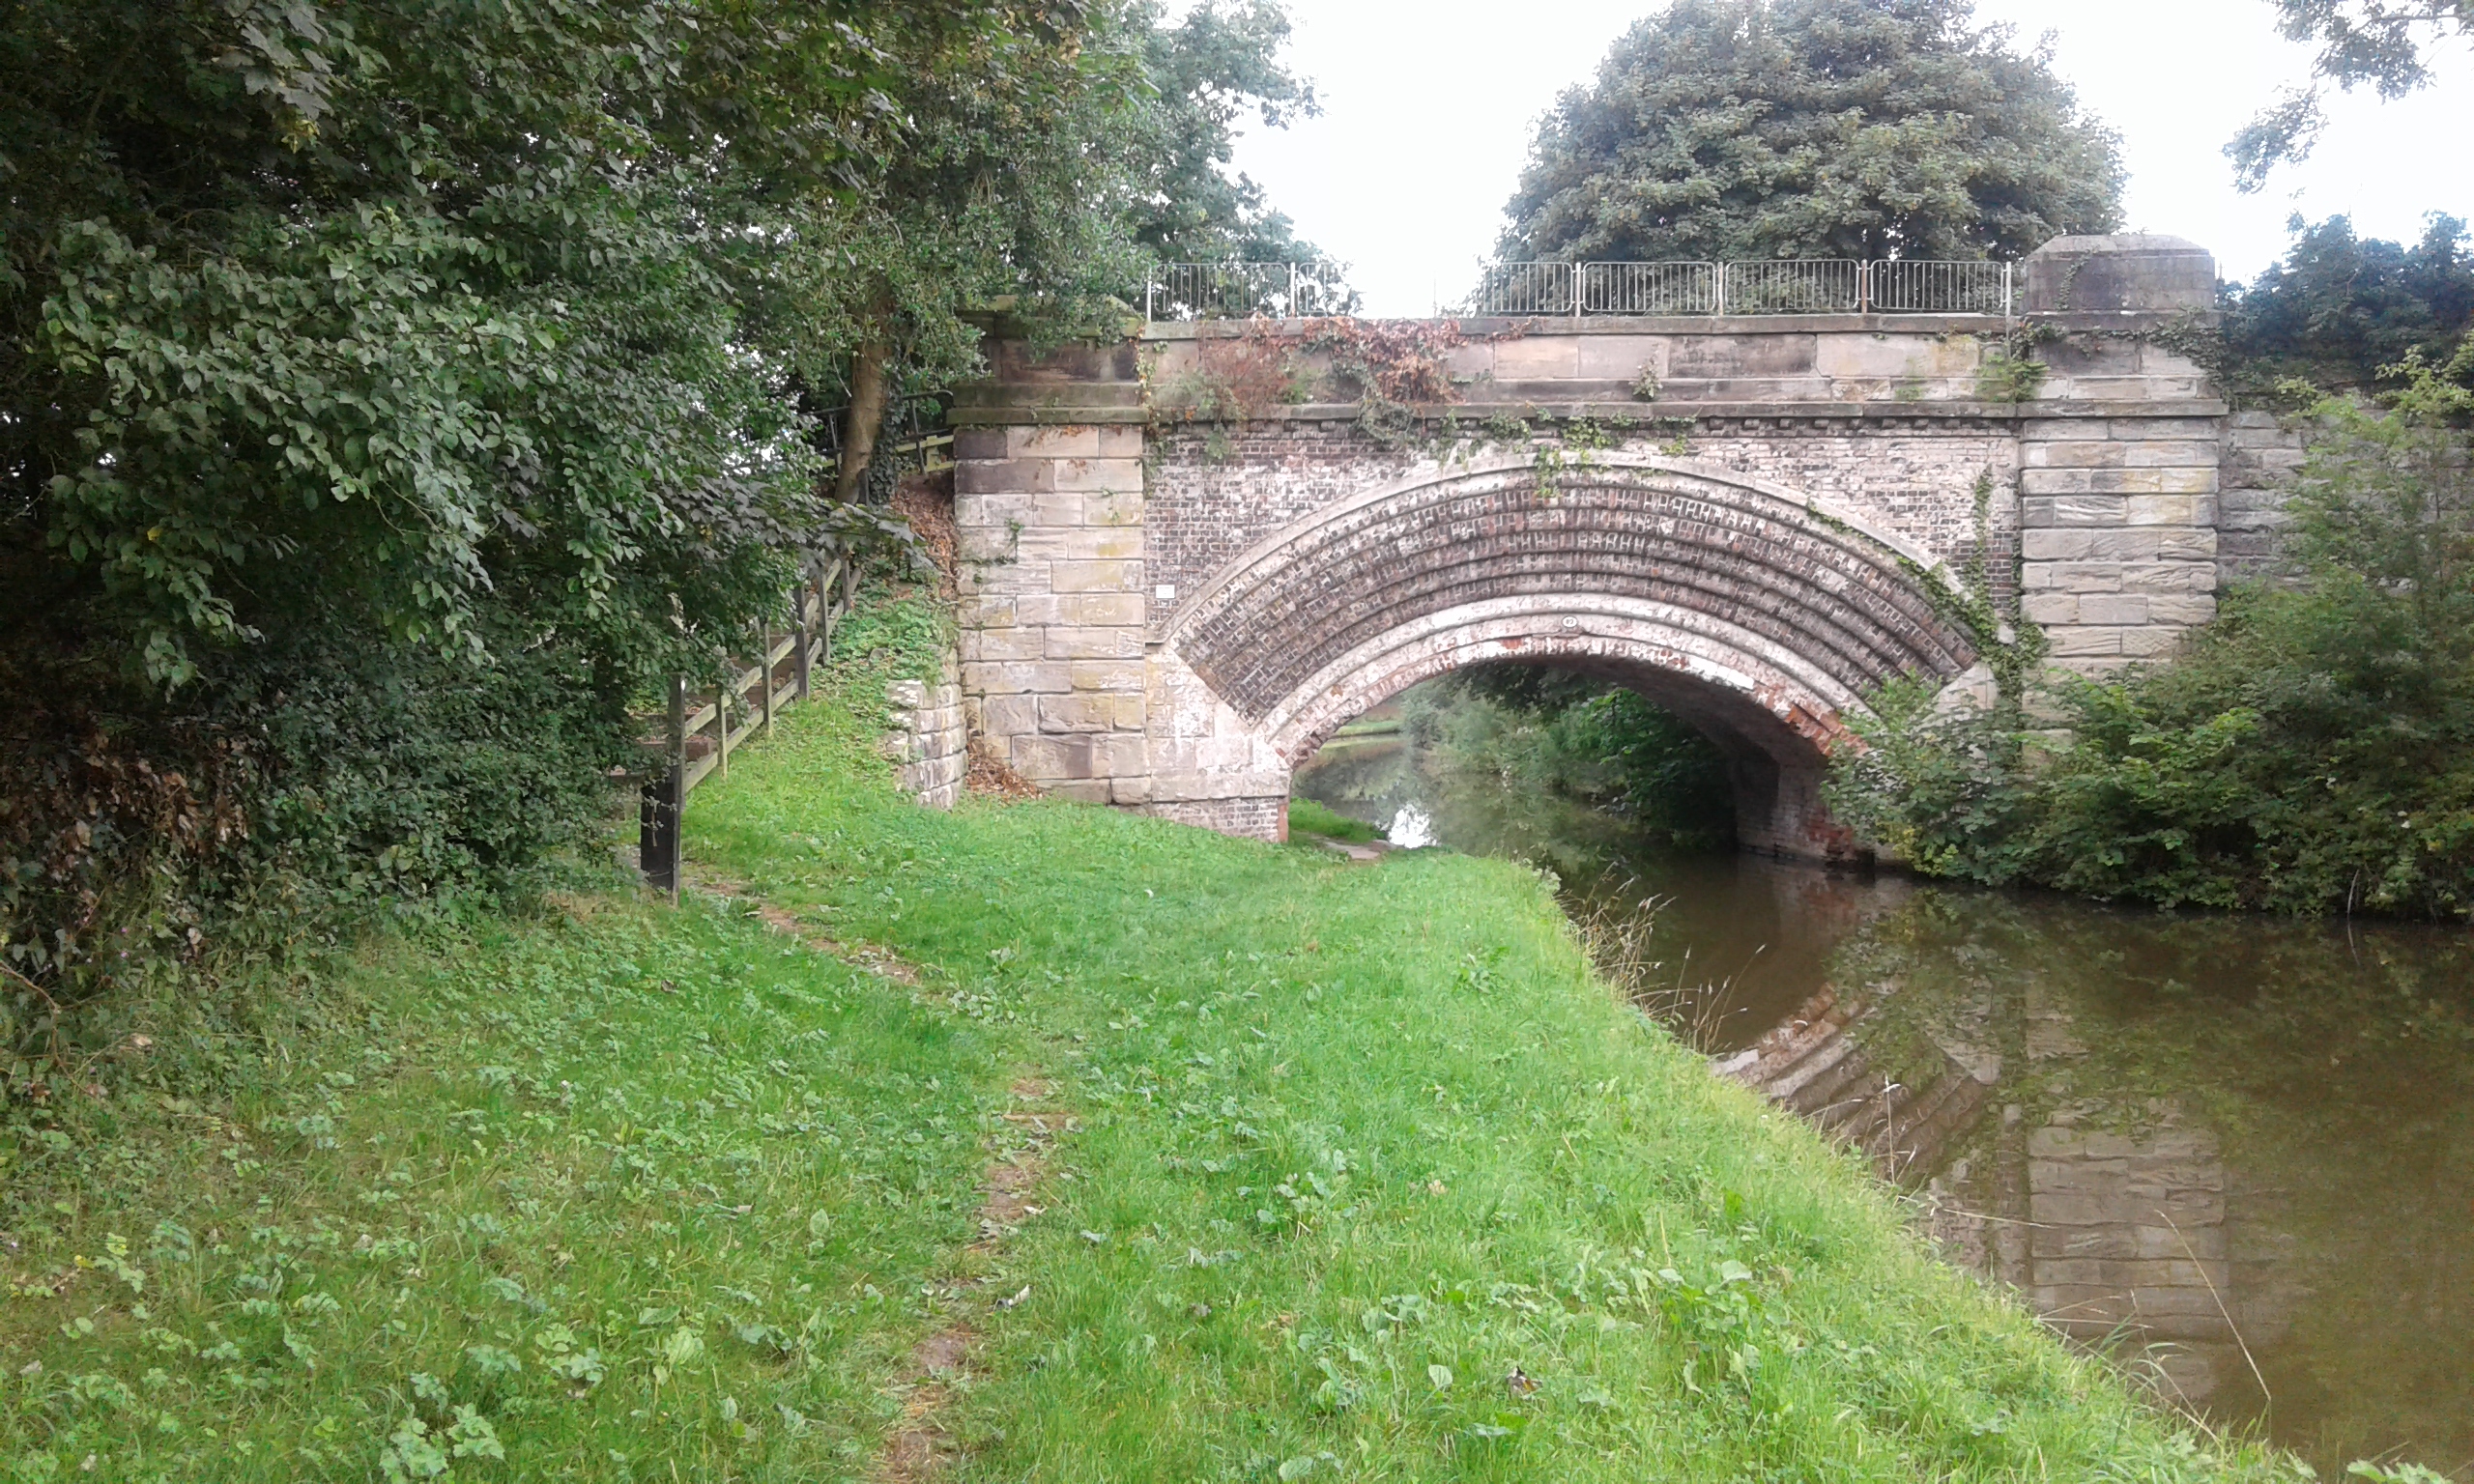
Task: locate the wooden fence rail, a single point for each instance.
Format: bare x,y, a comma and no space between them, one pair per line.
705,728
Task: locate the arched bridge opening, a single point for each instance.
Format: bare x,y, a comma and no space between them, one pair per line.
1745,608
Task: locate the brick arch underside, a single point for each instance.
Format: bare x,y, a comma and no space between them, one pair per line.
1743,565
1732,605
1774,724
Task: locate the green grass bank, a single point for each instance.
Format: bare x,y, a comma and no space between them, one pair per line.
1371,1178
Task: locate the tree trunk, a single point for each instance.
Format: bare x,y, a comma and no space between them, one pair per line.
867,410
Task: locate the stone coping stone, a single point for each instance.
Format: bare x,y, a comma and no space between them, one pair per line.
1645,413
2126,320
2131,271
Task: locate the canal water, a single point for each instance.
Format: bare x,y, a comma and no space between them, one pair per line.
2236,1153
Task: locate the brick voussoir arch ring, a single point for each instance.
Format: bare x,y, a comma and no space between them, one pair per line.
1654,646
1862,634
1747,584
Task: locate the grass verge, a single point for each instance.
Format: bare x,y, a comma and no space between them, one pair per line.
1371,1178
1307,817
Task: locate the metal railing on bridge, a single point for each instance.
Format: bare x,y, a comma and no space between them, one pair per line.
1204,291
1765,286
1226,291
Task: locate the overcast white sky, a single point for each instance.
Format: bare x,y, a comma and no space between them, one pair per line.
1427,108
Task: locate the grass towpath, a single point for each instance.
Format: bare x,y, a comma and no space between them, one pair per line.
1375,1179
1366,1177
610,1193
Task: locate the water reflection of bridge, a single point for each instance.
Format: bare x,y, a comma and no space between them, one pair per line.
2122,1229
2182,1124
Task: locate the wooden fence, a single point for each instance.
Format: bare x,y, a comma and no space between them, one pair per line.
704,728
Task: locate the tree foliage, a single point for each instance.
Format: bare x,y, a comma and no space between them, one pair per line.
391,392
2339,309
2312,751
2389,46
373,312
1588,738
1846,128
1209,73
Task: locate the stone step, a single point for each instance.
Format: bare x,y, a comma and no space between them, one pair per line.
1816,1063
1847,1076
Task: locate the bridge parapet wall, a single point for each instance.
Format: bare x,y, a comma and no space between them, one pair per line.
1745,365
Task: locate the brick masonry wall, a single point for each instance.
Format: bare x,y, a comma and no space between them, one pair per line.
1217,496
1918,479
927,739
1609,536
1261,819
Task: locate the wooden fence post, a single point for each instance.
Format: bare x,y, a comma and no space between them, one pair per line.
722,726
800,615
658,842
765,663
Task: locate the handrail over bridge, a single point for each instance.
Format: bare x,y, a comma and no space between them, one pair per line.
1206,291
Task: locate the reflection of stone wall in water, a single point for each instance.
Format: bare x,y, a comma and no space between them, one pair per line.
2140,1242
1353,771
1904,1125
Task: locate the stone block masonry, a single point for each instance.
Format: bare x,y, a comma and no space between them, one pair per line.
2262,456
1052,603
1169,617
927,739
2117,520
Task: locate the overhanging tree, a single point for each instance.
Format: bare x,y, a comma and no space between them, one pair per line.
1207,73
1112,149
1841,128
2388,45
391,390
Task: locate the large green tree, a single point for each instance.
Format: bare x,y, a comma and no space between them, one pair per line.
1209,73
1843,129
2344,311
2387,45
392,390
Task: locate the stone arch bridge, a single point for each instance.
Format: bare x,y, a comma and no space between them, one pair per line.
1170,613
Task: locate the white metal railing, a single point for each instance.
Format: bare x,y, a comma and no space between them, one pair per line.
1795,286
1650,287
1897,286
1217,291
1762,286
1211,291
1517,289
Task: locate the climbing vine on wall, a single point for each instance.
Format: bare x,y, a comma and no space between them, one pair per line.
1388,368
